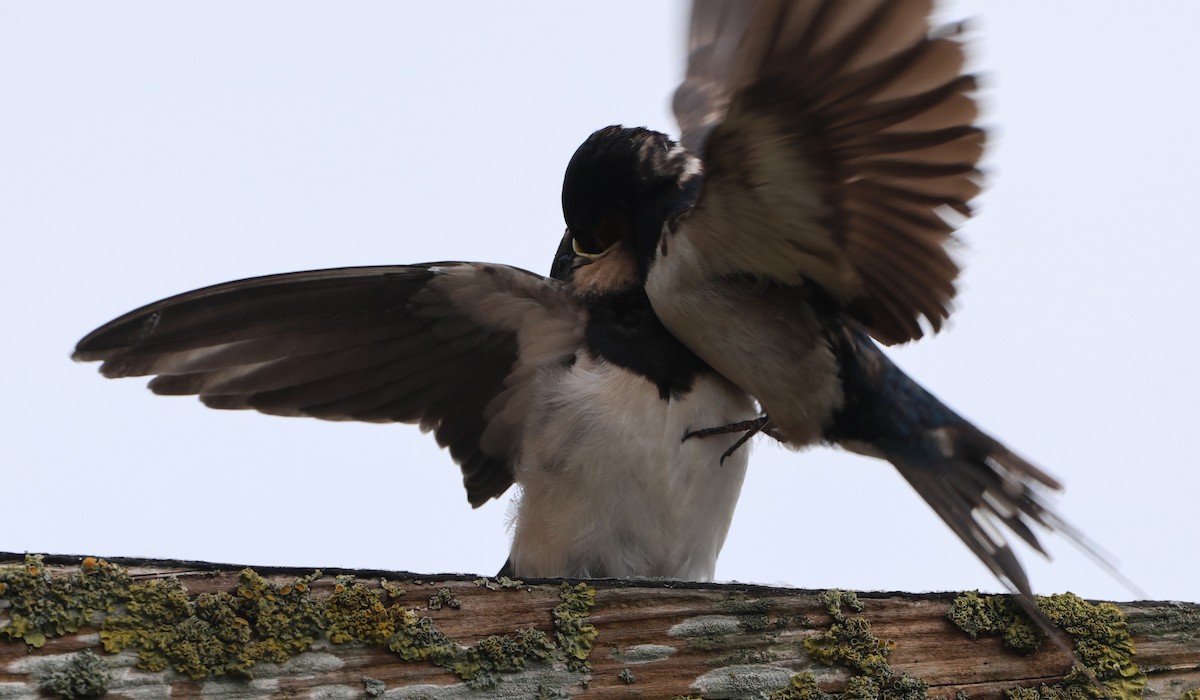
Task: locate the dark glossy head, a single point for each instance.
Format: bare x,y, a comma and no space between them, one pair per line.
621,186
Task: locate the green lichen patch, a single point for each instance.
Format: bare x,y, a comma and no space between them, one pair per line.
373,687
1193,694
545,692
503,581
45,606
393,590
215,634
229,632
996,615
504,653
833,600
1102,643
861,688
481,664
354,613
574,633
417,639
802,687
905,686
357,614
1048,692
84,675
284,619
849,642
444,598
852,644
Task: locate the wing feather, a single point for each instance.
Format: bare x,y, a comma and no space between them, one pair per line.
451,346
836,137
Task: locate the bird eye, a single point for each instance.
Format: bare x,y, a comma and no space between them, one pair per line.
590,256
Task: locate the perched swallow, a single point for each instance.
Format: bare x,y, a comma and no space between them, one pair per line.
569,387
828,149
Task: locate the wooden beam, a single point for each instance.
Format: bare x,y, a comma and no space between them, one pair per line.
78,627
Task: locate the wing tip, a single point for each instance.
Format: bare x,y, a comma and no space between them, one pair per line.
91,347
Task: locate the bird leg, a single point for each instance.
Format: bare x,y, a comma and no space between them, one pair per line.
748,428
755,424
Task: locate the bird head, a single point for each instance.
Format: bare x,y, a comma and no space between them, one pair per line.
621,187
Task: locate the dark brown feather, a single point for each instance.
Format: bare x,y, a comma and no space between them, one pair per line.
872,110
418,344
713,40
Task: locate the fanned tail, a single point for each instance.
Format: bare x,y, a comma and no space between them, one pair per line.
982,490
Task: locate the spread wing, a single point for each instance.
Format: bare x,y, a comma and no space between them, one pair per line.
839,148
713,37
451,346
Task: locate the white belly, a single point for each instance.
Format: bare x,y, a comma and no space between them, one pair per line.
613,489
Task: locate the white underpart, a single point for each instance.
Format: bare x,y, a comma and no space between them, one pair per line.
610,488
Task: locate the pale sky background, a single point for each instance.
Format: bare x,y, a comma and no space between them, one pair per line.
150,148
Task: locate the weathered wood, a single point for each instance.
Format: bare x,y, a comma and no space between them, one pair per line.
651,639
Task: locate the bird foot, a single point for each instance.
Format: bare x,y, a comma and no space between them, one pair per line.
748,428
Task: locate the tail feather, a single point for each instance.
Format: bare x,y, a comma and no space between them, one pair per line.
974,514
983,491
980,488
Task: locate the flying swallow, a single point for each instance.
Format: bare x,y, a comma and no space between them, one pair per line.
827,152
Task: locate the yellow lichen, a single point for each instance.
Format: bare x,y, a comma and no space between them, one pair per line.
1101,638
229,632
574,634
998,615
850,642
44,606
802,687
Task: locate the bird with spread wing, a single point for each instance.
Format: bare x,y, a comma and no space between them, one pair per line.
828,151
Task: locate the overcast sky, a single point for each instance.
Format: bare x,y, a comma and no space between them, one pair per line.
151,148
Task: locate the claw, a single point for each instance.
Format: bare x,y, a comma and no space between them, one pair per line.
754,430
755,424
748,428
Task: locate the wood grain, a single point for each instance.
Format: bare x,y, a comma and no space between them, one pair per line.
654,640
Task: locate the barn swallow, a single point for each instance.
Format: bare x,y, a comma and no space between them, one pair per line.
568,386
827,152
